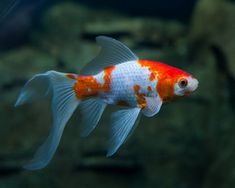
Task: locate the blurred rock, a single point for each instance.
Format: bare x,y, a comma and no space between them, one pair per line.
212,42
24,15
68,37
214,24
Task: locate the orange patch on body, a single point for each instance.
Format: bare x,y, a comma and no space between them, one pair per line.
166,76
123,103
107,77
72,76
149,89
139,96
88,86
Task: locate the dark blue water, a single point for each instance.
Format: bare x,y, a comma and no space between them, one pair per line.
18,17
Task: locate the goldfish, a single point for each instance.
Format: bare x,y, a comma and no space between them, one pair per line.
116,76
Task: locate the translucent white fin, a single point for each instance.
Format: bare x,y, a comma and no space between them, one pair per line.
112,52
91,110
123,122
64,102
36,88
153,106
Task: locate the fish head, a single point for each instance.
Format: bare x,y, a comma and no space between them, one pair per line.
175,83
172,82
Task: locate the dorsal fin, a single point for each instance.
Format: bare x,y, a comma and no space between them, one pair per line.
112,52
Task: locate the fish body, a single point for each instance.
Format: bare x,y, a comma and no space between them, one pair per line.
127,84
115,77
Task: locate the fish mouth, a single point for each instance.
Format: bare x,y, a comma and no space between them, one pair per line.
193,85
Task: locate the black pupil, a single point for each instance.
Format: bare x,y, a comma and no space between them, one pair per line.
183,83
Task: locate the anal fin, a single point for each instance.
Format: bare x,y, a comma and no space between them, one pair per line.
123,122
91,110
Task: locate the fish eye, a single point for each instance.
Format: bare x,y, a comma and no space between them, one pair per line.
183,83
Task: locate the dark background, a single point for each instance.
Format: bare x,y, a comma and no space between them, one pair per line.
189,144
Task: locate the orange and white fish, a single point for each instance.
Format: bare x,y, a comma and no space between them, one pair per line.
115,77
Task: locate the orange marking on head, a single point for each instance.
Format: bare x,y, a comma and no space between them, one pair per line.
166,76
149,89
88,86
123,103
140,97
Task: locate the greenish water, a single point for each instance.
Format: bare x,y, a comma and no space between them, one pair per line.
189,144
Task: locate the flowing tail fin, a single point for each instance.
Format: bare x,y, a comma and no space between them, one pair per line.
64,102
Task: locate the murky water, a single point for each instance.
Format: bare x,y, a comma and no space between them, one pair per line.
188,144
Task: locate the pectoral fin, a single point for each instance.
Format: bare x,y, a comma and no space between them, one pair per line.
153,106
